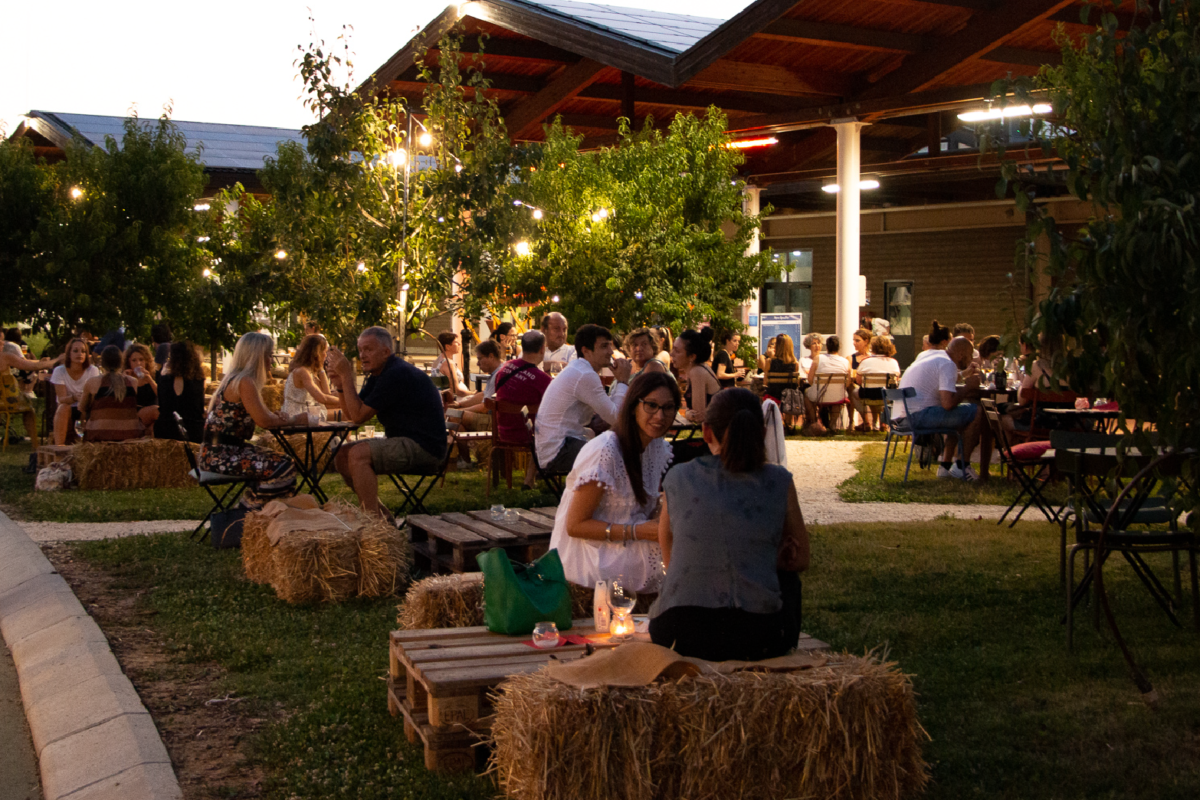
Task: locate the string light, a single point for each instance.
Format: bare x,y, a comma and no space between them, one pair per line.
362,267
537,213
281,254
207,273
202,238
425,139
76,193
201,207
554,299
521,248
398,157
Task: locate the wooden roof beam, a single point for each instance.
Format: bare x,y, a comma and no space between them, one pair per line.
525,119
828,34
404,59
754,102
1025,58
771,79
526,49
987,31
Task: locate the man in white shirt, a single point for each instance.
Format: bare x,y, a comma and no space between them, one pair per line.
558,352
939,402
828,363
575,395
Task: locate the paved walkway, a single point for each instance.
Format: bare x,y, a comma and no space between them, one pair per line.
819,466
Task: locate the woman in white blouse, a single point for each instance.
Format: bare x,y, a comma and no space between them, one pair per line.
881,361
606,524
68,380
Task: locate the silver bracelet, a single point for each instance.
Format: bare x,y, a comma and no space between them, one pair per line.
608,532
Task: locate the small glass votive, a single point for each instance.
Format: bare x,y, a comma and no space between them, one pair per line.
497,513
545,635
641,623
512,515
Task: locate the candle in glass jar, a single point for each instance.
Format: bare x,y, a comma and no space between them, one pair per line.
621,626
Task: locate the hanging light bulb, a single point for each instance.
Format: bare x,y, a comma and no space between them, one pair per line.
207,272
362,267
76,193
425,139
537,213
281,254
521,248
554,299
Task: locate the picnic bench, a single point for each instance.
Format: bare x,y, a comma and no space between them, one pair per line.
441,682
448,543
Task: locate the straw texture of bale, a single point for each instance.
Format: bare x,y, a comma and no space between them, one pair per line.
298,442
848,729
443,601
456,601
328,566
136,464
272,395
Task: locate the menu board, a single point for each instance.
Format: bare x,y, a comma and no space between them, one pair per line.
775,324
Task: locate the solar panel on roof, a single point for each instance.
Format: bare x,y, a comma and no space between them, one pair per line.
674,32
225,146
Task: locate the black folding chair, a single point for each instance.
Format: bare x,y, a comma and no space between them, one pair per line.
236,484
903,428
1031,473
423,480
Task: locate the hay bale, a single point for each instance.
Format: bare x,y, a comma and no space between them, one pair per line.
848,729
328,566
257,551
272,395
135,464
443,601
298,443
384,559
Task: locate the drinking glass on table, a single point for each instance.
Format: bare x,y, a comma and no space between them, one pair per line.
621,598
545,635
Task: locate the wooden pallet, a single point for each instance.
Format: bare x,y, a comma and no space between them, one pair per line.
449,542
48,454
442,681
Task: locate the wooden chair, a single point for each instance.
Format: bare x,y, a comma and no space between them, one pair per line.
506,451
832,397
781,382
876,380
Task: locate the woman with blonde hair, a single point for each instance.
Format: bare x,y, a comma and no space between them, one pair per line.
109,404
138,365
236,408
307,387
69,379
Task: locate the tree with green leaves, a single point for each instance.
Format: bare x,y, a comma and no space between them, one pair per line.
1124,302
652,228
107,237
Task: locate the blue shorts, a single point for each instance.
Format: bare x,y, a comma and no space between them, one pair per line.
938,418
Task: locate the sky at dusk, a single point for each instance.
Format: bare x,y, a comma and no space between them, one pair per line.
218,61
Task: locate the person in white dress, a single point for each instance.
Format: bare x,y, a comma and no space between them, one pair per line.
306,390
68,380
606,525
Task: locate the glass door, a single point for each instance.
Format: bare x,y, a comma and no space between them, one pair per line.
898,311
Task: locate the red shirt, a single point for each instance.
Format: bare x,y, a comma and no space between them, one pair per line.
520,382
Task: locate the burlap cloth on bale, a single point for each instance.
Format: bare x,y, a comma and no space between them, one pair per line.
642,663
301,513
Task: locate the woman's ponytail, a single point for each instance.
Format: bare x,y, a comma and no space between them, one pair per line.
735,417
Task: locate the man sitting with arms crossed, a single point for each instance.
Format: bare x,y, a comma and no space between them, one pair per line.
408,406
575,395
521,382
558,352
939,402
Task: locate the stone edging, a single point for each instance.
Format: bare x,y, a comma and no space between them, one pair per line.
93,737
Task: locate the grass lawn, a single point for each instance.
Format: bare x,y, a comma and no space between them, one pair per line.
970,609
463,491
923,485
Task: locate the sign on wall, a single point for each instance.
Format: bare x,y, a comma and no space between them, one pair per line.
775,324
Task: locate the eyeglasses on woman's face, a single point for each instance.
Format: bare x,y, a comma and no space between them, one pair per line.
653,408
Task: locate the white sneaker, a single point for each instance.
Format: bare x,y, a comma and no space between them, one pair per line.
964,473
946,473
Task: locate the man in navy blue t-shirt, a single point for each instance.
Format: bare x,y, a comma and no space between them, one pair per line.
406,403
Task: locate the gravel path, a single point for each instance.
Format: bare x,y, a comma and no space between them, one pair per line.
819,466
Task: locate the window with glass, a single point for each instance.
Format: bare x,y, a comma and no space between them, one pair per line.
792,291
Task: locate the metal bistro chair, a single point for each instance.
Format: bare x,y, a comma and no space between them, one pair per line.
423,481
1033,473
208,480
903,429
504,452
875,380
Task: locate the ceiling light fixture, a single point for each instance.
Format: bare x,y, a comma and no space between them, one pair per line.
987,115
745,144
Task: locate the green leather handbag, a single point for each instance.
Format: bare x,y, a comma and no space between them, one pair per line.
518,596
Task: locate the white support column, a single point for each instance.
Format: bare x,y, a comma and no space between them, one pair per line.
751,205
849,159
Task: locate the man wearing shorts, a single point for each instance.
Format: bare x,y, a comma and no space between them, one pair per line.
406,403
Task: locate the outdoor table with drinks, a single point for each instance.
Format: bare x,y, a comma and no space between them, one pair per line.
309,463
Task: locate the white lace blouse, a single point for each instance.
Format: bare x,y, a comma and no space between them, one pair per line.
586,561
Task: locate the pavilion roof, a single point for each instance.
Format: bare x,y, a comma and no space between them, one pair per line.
781,67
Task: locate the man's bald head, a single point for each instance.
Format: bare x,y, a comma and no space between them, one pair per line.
961,351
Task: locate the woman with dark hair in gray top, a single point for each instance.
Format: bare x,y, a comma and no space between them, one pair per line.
733,539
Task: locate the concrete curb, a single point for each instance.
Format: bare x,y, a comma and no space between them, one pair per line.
93,737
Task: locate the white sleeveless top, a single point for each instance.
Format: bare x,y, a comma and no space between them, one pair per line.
297,400
586,561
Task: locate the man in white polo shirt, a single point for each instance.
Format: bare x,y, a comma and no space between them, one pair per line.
574,396
939,402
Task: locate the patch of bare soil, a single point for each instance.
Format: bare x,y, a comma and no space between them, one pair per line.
205,731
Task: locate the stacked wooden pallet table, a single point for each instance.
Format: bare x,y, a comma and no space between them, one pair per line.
441,680
449,542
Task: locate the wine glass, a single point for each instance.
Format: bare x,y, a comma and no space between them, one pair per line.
621,598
